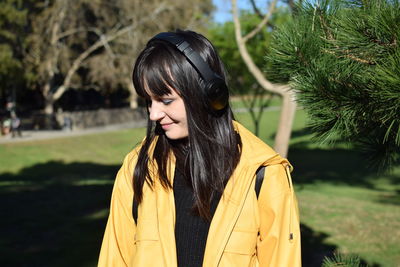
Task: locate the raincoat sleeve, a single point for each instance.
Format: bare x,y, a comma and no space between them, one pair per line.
118,245
279,239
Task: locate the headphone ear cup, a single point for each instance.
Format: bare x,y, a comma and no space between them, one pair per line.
217,93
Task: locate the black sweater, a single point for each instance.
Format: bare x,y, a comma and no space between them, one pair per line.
191,230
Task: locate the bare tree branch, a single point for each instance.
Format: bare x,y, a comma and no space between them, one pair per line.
51,62
291,4
91,29
75,31
107,46
277,89
288,104
264,22
100,43
256,10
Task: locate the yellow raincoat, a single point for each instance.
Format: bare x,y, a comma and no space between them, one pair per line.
245,231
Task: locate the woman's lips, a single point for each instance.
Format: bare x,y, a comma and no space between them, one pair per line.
166,126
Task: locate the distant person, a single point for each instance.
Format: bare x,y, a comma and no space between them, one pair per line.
201,189
15,126
67,126
64,120
6,126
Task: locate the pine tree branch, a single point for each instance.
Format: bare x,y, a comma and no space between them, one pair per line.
330,37
325,27
348,55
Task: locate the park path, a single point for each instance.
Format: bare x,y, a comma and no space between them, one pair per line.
33,135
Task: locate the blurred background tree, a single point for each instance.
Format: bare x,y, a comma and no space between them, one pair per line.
56,46
13,19
343,60
241,81
288,106
244,43
92,44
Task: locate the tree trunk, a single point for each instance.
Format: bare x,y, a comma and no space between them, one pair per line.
288,105
48,122
48,107
133,96
286,119
48,98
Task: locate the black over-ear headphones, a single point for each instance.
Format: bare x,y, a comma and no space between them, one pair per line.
215,88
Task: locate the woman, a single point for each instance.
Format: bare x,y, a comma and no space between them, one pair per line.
191,184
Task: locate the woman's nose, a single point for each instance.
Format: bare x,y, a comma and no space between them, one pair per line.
156,112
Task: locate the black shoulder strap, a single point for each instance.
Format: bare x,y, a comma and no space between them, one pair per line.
259,180
135,210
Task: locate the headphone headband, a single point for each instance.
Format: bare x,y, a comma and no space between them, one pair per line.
215,89
193,57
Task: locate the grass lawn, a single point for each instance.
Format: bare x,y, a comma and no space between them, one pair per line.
55,196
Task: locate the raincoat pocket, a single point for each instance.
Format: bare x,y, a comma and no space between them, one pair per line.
242,241
147,245
146,231
240,249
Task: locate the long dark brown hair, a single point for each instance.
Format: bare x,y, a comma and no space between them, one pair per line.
211,152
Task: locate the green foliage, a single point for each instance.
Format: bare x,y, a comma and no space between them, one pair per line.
12,17
12,22
342,260
223,37
8,62
342,58
241,81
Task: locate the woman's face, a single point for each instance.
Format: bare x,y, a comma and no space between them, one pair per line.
169,111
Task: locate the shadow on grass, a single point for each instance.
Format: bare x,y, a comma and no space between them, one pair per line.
315,248
334,165
54,214
391,198
342,167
